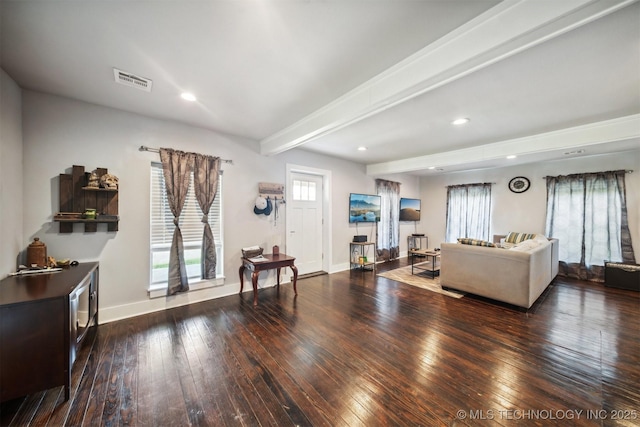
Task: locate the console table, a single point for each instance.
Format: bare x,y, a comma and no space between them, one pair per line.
269,262
43,320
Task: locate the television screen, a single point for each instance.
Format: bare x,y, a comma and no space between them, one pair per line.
364,208
409,209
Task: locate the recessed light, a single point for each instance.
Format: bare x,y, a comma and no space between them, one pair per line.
431,167
362,148
461,121
511,157
188,96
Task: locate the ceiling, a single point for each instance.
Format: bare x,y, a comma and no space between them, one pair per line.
537,79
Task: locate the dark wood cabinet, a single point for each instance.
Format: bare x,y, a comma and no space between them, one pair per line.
44,319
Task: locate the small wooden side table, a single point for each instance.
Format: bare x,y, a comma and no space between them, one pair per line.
430,255
269,262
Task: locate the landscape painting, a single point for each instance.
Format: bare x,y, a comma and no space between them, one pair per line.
409,209
364,208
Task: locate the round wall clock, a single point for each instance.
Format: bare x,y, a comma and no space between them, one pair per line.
519,184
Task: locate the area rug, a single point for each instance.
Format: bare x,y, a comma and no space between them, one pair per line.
420,280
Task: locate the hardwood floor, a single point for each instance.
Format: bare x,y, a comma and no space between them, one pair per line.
358,350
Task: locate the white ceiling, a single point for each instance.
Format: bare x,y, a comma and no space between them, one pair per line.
536,78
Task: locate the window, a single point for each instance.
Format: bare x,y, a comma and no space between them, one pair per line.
388,240
191,226
587,214
304,190
468,212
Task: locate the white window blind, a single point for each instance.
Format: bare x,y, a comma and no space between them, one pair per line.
191,226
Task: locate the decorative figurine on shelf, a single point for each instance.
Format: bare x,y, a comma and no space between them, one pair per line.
109,181
89,214
94,181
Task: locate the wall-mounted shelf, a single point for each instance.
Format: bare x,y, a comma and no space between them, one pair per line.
76,197
60,218
98,189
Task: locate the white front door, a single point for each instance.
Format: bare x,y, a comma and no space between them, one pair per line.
304,221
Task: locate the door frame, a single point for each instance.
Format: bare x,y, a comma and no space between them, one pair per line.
326,207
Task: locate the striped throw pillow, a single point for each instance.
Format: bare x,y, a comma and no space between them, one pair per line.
475,242
518,237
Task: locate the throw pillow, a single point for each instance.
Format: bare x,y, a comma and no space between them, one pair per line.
475,242
513,237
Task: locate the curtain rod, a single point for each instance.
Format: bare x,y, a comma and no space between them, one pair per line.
155,150
626,170
477,183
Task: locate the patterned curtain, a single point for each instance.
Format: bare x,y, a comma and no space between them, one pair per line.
587,213
205,179
468,211
176,168
389,226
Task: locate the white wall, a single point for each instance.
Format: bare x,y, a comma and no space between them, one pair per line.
10,174
60,133
526,212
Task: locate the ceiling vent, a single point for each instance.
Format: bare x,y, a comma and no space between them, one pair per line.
128,79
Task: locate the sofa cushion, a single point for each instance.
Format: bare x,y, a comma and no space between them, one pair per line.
475,242
525,246
541,239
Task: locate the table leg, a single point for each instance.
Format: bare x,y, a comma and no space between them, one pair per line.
433,267
241,278
278,276
295,278
254,282
412,261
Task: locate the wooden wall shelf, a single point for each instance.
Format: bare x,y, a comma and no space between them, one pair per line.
98,189
76,197
58,218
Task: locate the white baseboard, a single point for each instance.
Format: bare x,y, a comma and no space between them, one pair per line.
125,311
335,268
151,305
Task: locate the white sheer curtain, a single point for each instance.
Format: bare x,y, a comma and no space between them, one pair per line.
468,211
587,213
388,241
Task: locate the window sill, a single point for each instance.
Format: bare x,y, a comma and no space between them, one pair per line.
160,290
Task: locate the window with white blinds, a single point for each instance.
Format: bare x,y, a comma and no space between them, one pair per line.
191,226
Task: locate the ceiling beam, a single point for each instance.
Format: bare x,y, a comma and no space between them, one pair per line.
510,27
608,131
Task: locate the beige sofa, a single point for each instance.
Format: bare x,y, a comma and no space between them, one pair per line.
511,276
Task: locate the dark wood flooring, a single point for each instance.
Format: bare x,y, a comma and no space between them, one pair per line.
358,350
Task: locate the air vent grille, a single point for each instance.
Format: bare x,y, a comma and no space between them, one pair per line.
129,79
